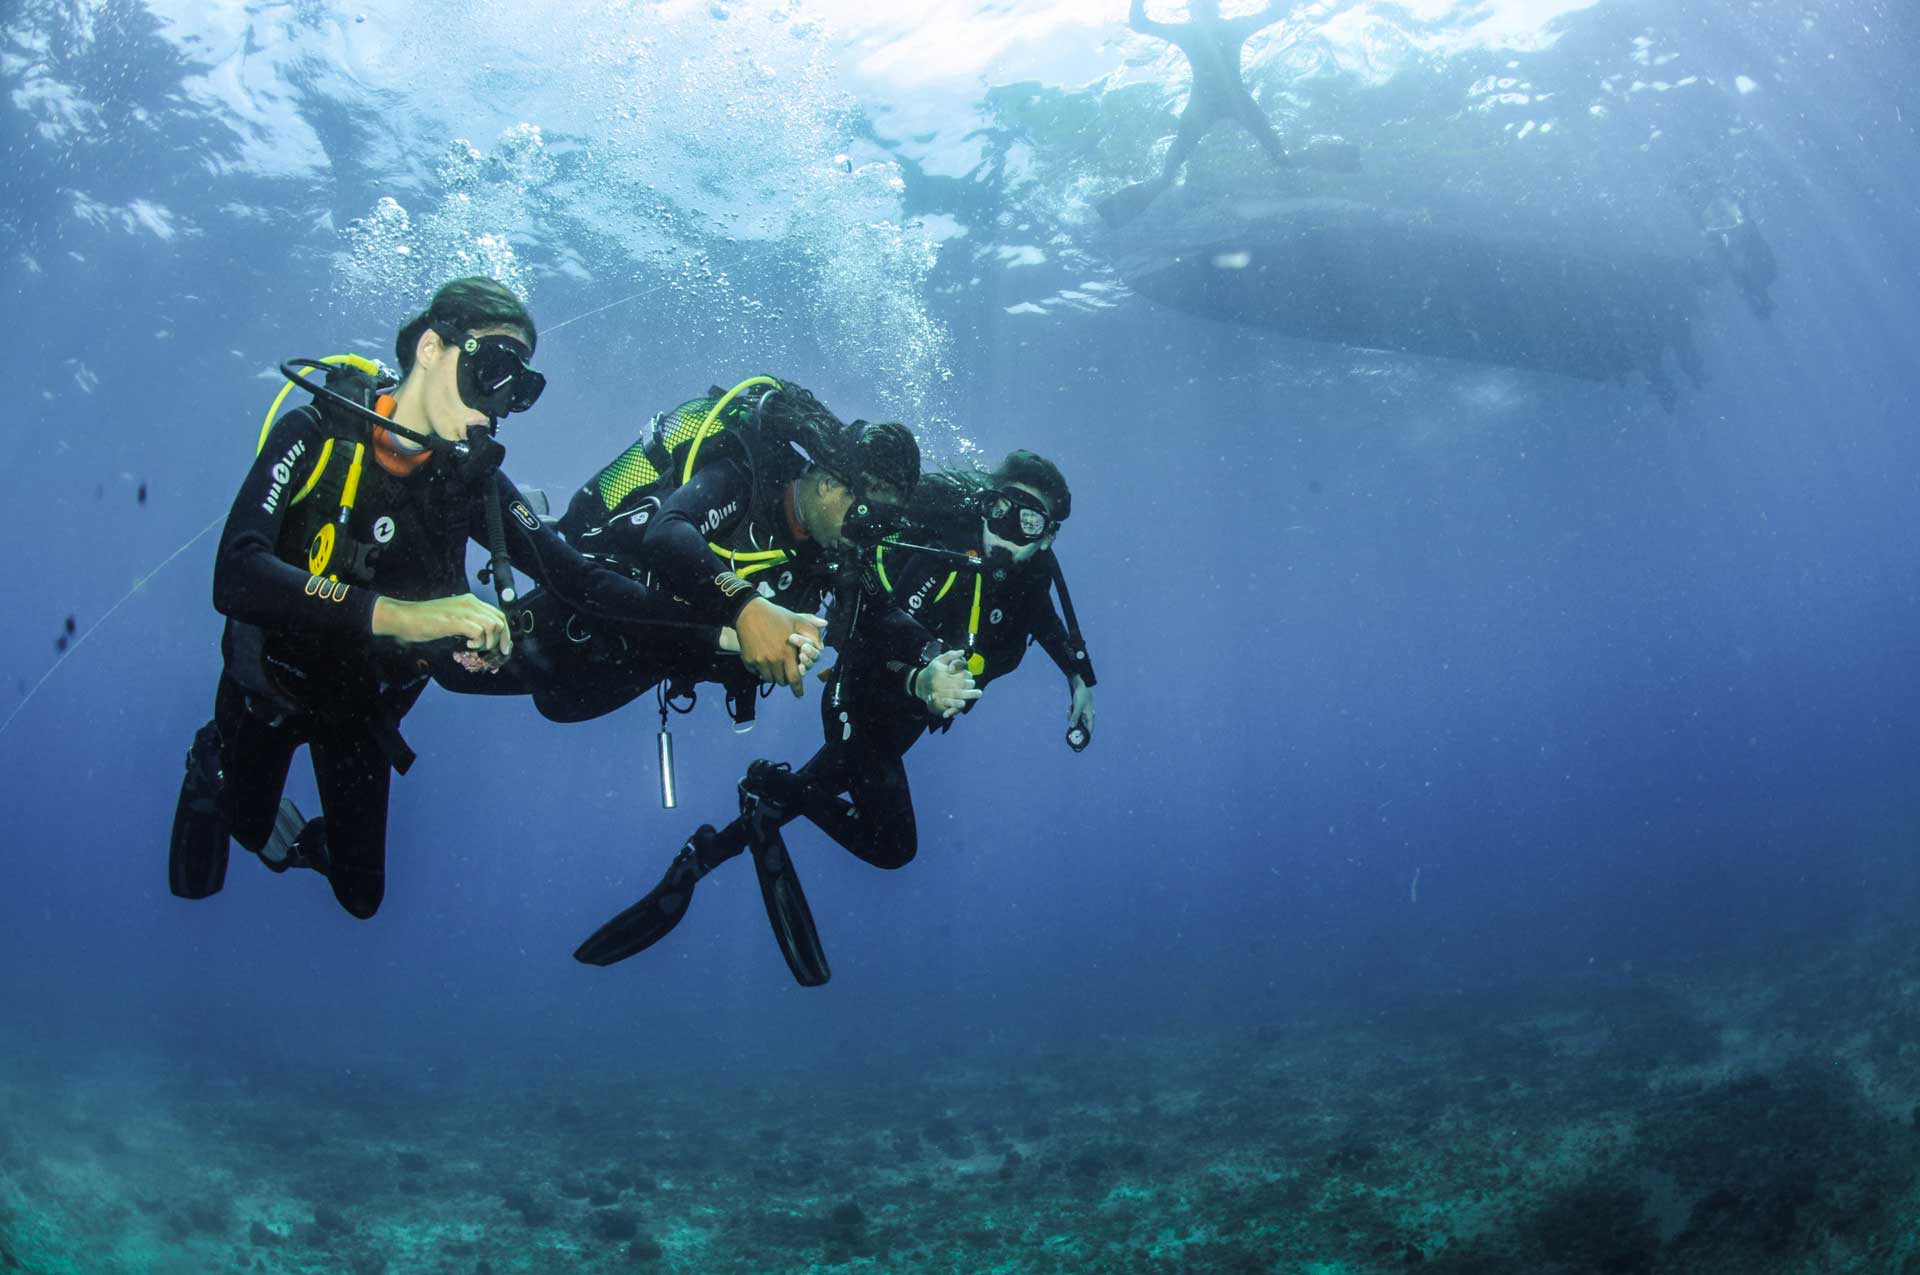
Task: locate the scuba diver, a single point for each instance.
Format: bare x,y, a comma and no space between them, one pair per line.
980,590
1742,252
342,574
732,505
1213,46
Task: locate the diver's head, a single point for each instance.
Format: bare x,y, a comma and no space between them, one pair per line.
463,361
859,487
1024,508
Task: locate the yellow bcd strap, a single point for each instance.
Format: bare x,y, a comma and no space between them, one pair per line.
320,552
976,662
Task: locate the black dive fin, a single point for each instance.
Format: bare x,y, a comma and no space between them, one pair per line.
787,908
197,857
652,918
1123,205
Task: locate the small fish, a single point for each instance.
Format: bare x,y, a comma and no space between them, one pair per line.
60,644
141,496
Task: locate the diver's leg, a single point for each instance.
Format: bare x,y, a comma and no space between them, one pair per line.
875,821
862,759
577,681
203,814
1129,202
354,778
1255,121
1194,123
587,695
256,755
882,808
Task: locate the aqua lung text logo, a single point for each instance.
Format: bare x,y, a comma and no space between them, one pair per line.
282,475
711,523
383,529
919,599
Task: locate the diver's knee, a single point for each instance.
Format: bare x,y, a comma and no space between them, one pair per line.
359,893
895,854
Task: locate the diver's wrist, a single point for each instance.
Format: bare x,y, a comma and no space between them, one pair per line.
386,617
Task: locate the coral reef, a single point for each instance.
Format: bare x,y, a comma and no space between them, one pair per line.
1745,1121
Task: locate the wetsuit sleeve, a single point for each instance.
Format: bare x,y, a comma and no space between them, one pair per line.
893,636
1049,632
890,644
250,582
584,584
673,543
1138,20
584,511
896,640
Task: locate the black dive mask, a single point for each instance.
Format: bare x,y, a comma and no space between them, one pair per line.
1018,517
493,374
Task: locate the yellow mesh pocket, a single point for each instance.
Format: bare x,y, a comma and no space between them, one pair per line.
679,426
630,471
633,469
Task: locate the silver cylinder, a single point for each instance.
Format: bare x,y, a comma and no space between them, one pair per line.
668,794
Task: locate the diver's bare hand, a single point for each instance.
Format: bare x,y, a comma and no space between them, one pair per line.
946,686
484,626
807,650
766,647
1080,711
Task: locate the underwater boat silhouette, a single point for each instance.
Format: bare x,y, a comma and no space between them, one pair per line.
1600,308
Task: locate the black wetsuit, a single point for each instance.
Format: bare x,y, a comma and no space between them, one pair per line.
1214,48
706,549
302,666
872,718
1749,259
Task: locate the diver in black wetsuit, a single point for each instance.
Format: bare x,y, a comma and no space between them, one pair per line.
1742,251
342,574
981,589
1213,46
734,504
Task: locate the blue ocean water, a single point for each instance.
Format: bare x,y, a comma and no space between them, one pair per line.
1496,853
